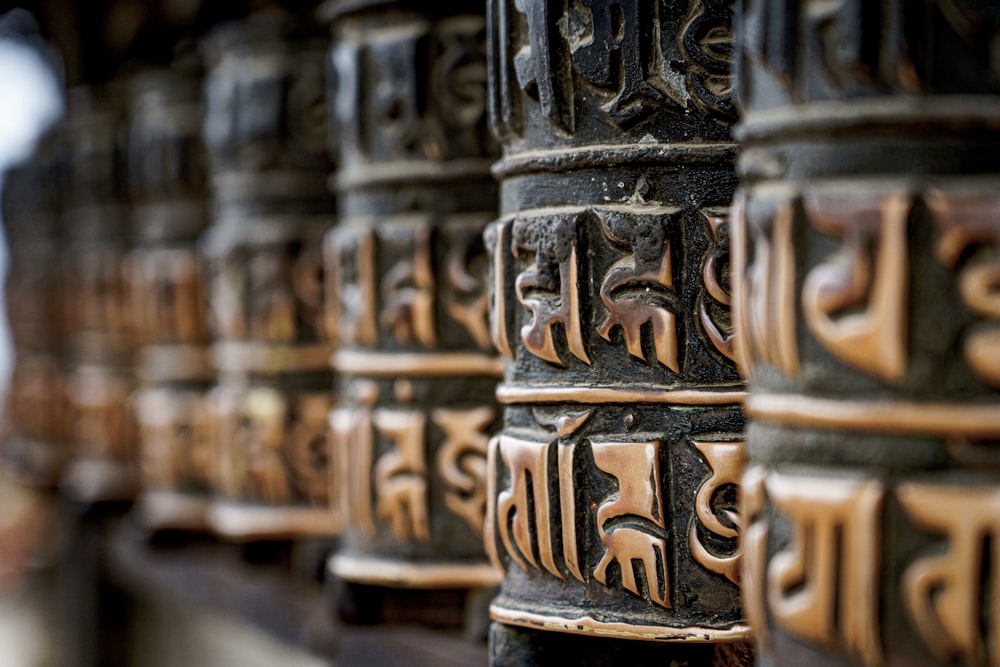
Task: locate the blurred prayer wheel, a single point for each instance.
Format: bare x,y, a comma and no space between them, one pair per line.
166,295
407,296
867,254
613,483
35,447
95,222
265,134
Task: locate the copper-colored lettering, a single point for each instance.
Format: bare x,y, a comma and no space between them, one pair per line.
408,295
400,474
466,300
944,593
352,452
725,459
634,291
824,586
461,461
969,220
711,275
549,288
753,502
308,453
855,302
262,438
636,466
765,297
498,309
527,463
351,257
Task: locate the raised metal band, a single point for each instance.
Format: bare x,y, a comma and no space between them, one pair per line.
881,416
409,574
247,522
442,363
591,394
610,156
585,625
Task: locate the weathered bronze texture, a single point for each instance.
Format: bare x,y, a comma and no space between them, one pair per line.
407,292
866,244
166,293
95,223
38,418
612,499
265,134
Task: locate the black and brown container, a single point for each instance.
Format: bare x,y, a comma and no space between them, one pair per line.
867,250
95,224
166,294
265,136
613,483
407,297
38,417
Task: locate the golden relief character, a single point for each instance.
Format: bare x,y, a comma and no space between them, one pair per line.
549,288
764,297
401,474
753,503
955,614
725,460
262,440
715,271
352,455
968,222
824,586
855,302
350,257
309,456
461,461
632,524
408,295
638,289
465,298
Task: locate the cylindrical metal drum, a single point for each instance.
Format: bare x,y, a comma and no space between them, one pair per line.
613,483
166,293
95,223
866,247
35,446
265,135
407,292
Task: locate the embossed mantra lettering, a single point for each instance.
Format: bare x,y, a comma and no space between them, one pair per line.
855,278
632,524
765,298
725,459
637,290
824,587
955,613
549,287
351,294
408,295
713,275
528,465
393,488
968,224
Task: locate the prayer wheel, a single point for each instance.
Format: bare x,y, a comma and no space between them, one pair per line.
265,136
166,294
35,446
407,296
613,482
866,239
95,224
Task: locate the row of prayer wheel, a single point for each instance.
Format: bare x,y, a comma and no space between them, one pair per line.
475,289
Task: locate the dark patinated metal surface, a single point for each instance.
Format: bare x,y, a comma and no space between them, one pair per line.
265,134
613,482
866,246
166,294
407,293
